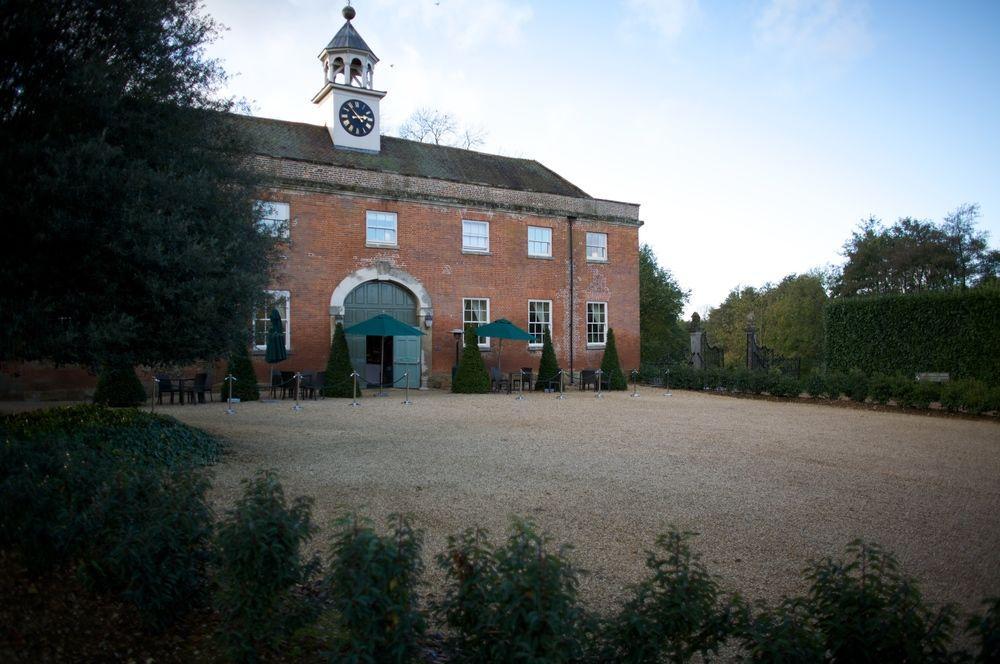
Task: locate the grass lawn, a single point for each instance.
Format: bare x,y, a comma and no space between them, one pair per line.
767,485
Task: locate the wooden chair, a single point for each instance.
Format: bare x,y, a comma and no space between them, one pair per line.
497,381
200,386
588,377
527,379
287,383
166,386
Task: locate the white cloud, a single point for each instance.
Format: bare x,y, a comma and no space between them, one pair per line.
668,17
831,29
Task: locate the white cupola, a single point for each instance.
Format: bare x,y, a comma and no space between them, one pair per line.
348,100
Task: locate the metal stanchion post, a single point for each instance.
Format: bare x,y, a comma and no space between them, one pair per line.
562,393
229,401
598,373
354,375
635,383
520,388
666,379
406,389
298,384
156,393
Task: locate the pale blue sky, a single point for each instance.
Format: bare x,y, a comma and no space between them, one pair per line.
755,134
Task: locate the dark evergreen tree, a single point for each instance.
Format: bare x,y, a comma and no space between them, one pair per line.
471,377
338,381
548,365
117,385
611,366
126,186
240,366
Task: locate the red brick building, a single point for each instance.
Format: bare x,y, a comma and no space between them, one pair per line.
435,236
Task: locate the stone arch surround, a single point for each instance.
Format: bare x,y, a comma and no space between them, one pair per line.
383,271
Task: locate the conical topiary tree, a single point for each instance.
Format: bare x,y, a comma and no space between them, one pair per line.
548,366
240,366
117,385
611,366
471,377
338,381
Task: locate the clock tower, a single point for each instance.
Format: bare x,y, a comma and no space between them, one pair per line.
348,99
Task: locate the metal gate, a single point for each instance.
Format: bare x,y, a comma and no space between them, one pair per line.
368,300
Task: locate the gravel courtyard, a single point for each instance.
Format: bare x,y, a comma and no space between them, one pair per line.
768,485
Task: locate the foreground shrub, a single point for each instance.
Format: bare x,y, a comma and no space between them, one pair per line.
260,566
917,394
986,631
117,385
148,532
471,377
867,610
781,634
337,381
146,438
672,615
372,581
513,602
883,388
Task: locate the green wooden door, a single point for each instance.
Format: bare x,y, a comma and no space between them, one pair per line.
373,298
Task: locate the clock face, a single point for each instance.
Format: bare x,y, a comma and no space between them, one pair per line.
356,117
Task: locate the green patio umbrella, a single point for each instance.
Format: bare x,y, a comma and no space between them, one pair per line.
383,325
275,351
502,329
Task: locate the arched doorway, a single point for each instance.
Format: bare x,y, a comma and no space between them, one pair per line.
401,354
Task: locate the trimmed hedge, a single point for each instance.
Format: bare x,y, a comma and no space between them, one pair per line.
117,385
471,377
338,381
957,332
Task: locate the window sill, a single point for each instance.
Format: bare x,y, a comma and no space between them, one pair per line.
263,351
544,258
532,347
472,252
377,245
596,346
597,260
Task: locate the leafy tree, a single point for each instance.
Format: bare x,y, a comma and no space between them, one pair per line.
117,385
241,368
548,365
661,303
726,324
471,377
338,381
611,366
913,256
125,186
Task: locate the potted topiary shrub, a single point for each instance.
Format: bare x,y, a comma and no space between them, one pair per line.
338,381
471,377
548,366
611,366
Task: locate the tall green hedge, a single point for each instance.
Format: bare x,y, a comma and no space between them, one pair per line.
472,377
957,332
339,381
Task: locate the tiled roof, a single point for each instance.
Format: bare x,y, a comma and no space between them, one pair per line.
312,143
348,37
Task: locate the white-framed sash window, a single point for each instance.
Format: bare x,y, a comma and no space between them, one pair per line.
597,247
539,318
540,241
476,311
275,299
475,236
274,218
597,323
380,228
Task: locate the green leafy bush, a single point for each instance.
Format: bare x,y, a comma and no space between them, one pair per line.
517,601
784,633
740,380
260,566
867,610
372,581
338,381
241,368
148,532
611,366
816,385
907,334
986,631
786,386
673,614
471,377
883,388
856,386
916,394
117,385
970,395
548,365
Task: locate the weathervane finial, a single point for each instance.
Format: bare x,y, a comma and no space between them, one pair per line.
348,11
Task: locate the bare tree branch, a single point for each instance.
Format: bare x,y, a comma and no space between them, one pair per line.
432,126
